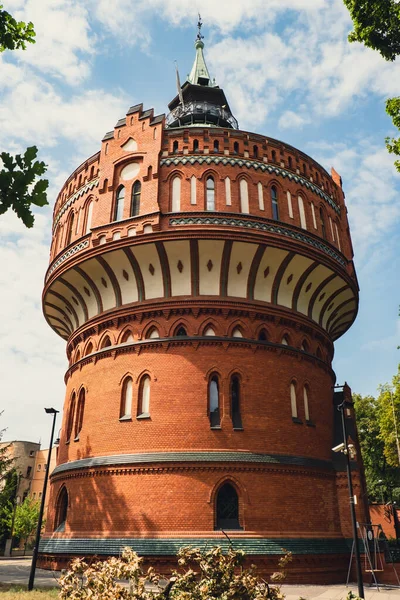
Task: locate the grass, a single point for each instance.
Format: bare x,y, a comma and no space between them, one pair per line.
13,592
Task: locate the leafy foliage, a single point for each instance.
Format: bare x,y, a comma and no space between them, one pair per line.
377,26
207,574
26,518
7,499
17,188
14,34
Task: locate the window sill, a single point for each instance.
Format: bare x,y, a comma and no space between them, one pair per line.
76,439
310,423
297,420
216,427
126,418
238,429
67,442
143,416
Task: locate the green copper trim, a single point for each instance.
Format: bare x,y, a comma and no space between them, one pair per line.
169,547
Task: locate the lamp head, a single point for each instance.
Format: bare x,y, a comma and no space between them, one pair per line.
51,411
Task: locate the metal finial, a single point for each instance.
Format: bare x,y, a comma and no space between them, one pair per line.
199,26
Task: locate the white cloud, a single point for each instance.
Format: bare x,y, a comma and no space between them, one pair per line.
291,120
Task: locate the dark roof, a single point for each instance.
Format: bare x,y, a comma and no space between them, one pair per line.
135,108
109,136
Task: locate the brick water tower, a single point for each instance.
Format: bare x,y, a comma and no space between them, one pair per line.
200,275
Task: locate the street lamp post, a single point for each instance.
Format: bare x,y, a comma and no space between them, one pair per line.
360,584
51,411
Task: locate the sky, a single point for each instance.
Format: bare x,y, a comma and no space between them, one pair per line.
288,72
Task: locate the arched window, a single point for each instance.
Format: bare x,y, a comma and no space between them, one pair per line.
237,333
213,401
306,406
89,349
235,402
105,343
119,204
319,353
255,151
236,148
303,222
176,194
228,195
227,508
290,163
180,331
77,356
71,415
262,336
293,399
244,196
127,337
209,331
126,398
152,334
175,147
285,340
216,146
304,346
91,172
304,169
195,145
274,203
88,217
61,510
210,190
79,413
260,195
70,228
322,221
317,178
135,203
144,397
273,154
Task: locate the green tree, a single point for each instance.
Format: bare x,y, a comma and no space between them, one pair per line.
26,518
7,499
18,189
377,25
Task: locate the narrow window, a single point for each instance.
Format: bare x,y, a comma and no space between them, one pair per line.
244,196
71,414
228,196
61,511
77,356
319,353
337,236
255,151
181,332
155,133
89,212
213,401
313,215
193,190
126,398
236,148
105,343
306,407
237,333
209,331
153,334
119,204
135,203
176,194
216,146
322,222
70,229
91,172
304,169
317,177
285,340
303,223
289,202
89,349
210,190
144,397
260,196
331,225
227,508
106,149
304,346
175,147
195,145
235,402
262,336
273,154
293,400
79,413
274,203
127,337
290,162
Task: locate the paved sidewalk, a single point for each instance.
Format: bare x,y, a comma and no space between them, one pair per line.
16,571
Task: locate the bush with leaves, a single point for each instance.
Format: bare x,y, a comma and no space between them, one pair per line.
204,575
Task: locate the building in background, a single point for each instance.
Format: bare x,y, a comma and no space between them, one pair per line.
23,454
200,275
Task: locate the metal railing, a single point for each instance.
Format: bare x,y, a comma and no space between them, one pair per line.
201,112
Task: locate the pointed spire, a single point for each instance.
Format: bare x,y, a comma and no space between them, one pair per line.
199,75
